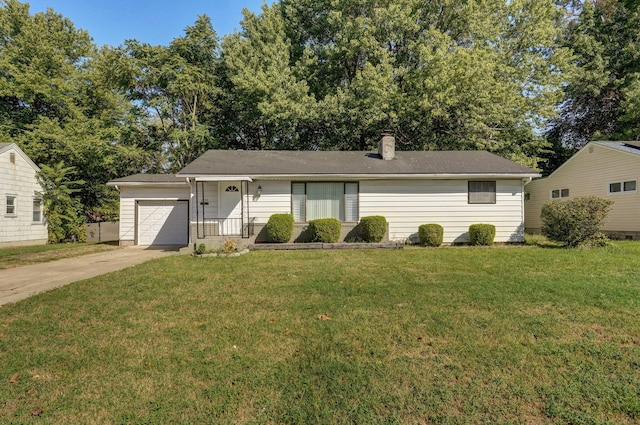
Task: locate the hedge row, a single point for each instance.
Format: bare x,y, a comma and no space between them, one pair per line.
280,229
372,229
479,234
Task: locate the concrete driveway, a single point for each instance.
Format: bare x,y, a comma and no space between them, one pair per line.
22,282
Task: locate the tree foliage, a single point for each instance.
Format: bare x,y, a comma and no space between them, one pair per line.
55,104
442,75
175,92
63,212
602,101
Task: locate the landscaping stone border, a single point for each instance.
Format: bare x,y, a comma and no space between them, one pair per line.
320,245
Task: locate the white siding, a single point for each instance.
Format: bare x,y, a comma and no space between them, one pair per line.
275,199
407,204
130,194
588,173
19,180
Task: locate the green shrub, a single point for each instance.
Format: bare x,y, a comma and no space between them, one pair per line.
373,228
201,249
430,234
325,230
482,234
576,221
280,228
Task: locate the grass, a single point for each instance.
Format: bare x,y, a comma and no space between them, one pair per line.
25,255
523,335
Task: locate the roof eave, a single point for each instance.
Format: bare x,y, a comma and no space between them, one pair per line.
439,176
126,183
218,178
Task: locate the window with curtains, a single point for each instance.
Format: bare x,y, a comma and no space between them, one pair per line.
313,200
482,192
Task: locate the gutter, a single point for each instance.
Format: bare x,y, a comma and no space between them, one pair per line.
442,176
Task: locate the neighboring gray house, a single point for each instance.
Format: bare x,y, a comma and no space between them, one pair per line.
231,194
21,218
606,169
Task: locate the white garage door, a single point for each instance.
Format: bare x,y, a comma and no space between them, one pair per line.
162,223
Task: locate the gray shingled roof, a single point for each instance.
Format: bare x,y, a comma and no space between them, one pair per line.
305,163
149,178
2,145
628,147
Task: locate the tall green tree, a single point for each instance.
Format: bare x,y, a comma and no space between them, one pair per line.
269,105
443,74
175,90
64,213
603,100
56,104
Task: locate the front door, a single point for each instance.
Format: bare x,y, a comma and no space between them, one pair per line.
230,209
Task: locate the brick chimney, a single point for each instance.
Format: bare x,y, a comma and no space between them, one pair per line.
387,145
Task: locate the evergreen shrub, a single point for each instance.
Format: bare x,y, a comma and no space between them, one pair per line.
576,221
325,230
430,234
373,228
482,234
280,228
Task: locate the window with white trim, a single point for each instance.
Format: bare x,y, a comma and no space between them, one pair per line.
620,187
482,192
11,205
313,200
559,193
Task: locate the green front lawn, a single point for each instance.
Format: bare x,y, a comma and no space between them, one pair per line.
418,336
25,255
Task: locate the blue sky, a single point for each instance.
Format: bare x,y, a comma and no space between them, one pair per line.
149,21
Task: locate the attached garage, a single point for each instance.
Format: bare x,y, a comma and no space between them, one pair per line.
163,223
154,210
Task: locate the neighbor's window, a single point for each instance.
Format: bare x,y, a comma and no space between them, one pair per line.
310,201
559,193
482,192
618,187
10,205
37,210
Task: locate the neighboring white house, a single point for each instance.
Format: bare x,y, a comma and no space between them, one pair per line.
231,194
606,169
21,217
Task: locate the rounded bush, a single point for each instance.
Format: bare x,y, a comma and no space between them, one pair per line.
482,234
280,228
373,228
576,221
325,230
430,234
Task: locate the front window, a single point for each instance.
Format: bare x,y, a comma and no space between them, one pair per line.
310,201
482,192
10,205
